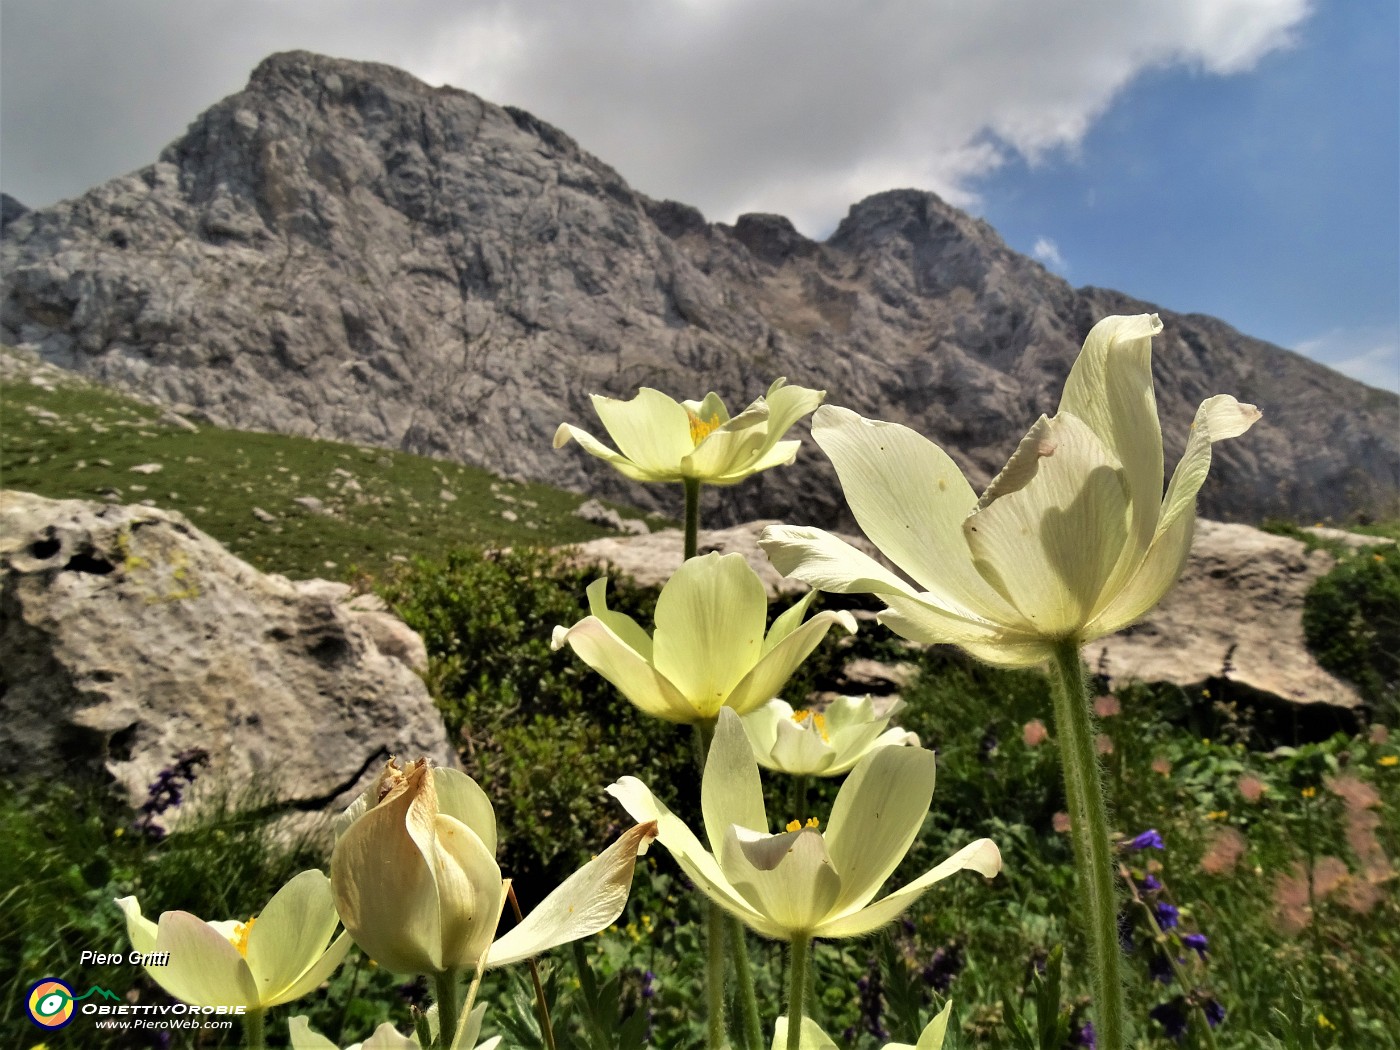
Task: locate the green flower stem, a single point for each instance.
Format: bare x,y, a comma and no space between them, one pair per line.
253,1037
801,950
714,977
447,996
748,1000
714,922
692,517
1089,831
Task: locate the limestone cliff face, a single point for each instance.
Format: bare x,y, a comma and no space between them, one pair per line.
342,250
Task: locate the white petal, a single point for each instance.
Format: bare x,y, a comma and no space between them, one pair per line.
827,563
777,665
909,499
303,1037
788,877
710,621
140,930
1218,418
588,901
317,974
877,815
204,968
628,670
1050,543
800,751
981,856
291,933
652,430
730,790
761,724
1110,389
811,1038
699,865
594,447
619,623
459,796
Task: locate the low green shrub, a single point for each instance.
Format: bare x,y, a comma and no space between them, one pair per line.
1351,618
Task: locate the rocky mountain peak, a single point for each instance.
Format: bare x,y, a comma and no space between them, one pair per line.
342,250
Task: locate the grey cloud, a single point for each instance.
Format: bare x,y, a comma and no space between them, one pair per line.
797,106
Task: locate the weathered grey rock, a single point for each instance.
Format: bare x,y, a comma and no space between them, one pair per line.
128,636
340,250
1236,614
594,511
1354,540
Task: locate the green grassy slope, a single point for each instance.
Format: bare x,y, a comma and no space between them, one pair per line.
66,438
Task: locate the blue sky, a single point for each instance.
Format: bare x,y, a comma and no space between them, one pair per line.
1269,198
1233,157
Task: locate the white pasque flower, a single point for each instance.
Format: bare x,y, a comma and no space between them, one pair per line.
813,1038
662,439
805,882
387,1037
822,743
1073,540
416,883
281,955
709,650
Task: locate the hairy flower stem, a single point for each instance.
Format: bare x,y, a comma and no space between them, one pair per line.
1089,831
253,1036
692,517
801,950
748,999
541,1003
714,915
447,995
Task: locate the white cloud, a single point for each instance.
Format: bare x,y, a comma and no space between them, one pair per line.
1370,354
1048,252
794,106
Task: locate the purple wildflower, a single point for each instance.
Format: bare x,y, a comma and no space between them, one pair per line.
1149,839
1171,1015
946,964
1149,883
1196,941
1159,968
648,985
1167,914
1215,1013
1085,1037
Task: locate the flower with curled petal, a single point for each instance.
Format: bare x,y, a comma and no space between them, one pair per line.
711,647
282,954
416,883
661,439
805,882
813,1038
1073,540
822,743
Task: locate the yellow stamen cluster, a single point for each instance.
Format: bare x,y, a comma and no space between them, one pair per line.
700,429
812,720
240,936
797,825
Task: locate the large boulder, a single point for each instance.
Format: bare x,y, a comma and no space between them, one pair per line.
128,637
1236,615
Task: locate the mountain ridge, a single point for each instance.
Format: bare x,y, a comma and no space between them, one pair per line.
341,250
